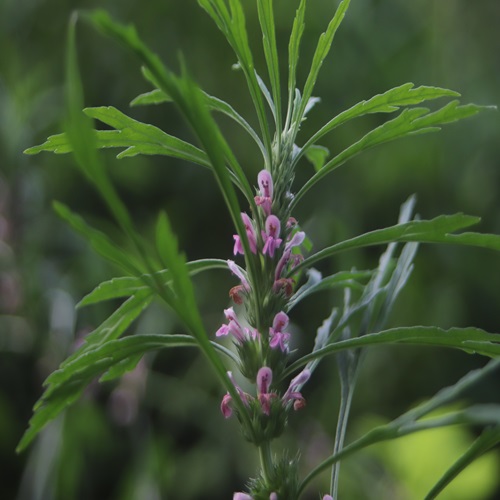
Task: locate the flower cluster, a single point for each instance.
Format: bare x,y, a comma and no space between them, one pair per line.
262,338
292,396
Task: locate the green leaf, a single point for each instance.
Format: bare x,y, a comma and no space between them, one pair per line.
485,442
115,325
266,19
189,99
99,241
158,96
317,155
388,102
136,137
64,386
81,138
323,48
232,24
470,340
344,279
155,96
436,230
129,285
293,53
121,368
407,423
409,122
223,107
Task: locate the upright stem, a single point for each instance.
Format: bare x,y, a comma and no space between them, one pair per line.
347,385
265,460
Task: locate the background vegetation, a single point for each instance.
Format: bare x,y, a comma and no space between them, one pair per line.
159,433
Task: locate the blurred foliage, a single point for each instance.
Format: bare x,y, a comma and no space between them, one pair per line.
158,433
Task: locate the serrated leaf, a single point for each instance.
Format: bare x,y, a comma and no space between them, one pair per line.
158,96
115,325
388,102
408,122
436,230
470,340
64,386
121,368
155,96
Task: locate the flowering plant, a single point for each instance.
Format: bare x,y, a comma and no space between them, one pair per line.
272,261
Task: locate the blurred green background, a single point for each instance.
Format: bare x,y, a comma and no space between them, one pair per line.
158,433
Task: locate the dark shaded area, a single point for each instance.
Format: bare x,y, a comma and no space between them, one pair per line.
158,433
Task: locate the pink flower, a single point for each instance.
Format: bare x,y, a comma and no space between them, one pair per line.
265,183
327,497
226,410
237,271
277,335
241,496
252,239
265,200
295,241
225,407
264,379
285,285
233,327
271,238
293,394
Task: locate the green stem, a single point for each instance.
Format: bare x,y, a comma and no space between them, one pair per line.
345,407
266,461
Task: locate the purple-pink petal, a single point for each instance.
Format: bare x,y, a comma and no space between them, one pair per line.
235,269
264,379
241,496
225,407
265,183
279,339
297,239
280,321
